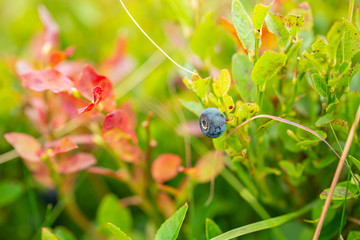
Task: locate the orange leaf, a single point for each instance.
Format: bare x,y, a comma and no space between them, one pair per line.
165,167
25,145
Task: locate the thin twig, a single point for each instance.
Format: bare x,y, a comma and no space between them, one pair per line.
160,49
337,175
279,119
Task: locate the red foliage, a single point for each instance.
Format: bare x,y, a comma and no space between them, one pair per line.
90,80
118,134
75,163
49,79
165,167
26,146
51,32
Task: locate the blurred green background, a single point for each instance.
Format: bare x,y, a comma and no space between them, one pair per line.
93,26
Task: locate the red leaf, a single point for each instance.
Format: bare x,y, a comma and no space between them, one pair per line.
108,172
70,69
51,33
56,57
117,133
118,119
25,145
49,79
118,64
60,146
69,51
86,109
89,80
75,163
98,94
165,167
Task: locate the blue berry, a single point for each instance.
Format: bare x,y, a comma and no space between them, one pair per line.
212,123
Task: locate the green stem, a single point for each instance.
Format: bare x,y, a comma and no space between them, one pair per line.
351,9
257,48
260,96
247,196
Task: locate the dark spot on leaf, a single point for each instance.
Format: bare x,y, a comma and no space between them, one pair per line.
231,107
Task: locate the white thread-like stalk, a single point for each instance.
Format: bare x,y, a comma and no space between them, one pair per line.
162,51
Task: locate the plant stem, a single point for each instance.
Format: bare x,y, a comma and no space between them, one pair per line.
337,175
344,207
257,48
351,9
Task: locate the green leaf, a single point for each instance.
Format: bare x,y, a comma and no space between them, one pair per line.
241,72
229,103
338,124
319,46
291,169
354,71
212,229
276,24
314,63
266,67
117,233
294,49
262,225
63,233
259,14
46,234
319,84
171,227
111,210
243,25
339,192
353,235
192,106
333,37
9,192
203,40
324,120
304,8
351,40
224,82
355,161
295,22
357,18
200,85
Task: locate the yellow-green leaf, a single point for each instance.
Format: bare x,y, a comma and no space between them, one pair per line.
224,82
294,22
117,233
241,72
243,25
212,229
259,14
333,37
228,102
266,67
276,24
46,234
340,192
351,40
171,227
319,84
